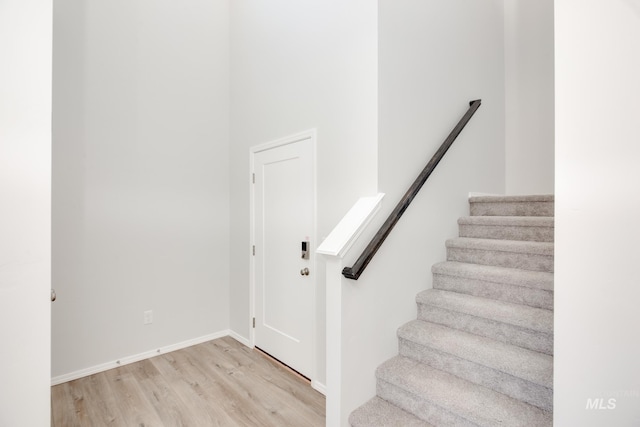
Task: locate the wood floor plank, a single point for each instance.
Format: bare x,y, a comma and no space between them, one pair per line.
62,408
260,380
79,403
238,403
99,402
169,406
153,385
185,382
144,370
217,383
276,374
135,408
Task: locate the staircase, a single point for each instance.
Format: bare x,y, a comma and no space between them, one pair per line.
481,350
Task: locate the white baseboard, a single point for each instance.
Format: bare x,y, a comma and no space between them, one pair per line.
138,357
319,387
240,338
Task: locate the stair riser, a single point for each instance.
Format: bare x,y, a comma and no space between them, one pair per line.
420,407
531,234
512,209
510,334
525,261
503,292
518,388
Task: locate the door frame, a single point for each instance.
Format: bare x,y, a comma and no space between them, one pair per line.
291,139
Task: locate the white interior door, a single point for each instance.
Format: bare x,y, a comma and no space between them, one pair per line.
284,197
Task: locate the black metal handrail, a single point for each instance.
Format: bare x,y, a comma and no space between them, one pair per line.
373,246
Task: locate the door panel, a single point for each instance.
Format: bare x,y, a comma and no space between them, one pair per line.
25,212
284,203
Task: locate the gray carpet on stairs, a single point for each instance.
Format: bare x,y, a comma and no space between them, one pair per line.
532,288
445,399
379,412
525,228
541,205
481,351
536,256
517,372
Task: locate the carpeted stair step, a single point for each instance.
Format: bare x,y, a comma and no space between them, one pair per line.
515,324
532,288
443,399
527,228
538,205
517,372
537,256
380,413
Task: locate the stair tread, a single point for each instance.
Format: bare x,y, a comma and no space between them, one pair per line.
515,361
501,221
510,276
475,403
536,319
515,246
380,413
512,199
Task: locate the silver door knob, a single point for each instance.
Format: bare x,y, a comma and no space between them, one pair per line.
304,271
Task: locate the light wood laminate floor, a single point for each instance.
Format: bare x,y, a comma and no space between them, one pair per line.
218,383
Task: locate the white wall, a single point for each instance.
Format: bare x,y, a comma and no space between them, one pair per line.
25,212
434,58
528,27
140,176
597,350
296,66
